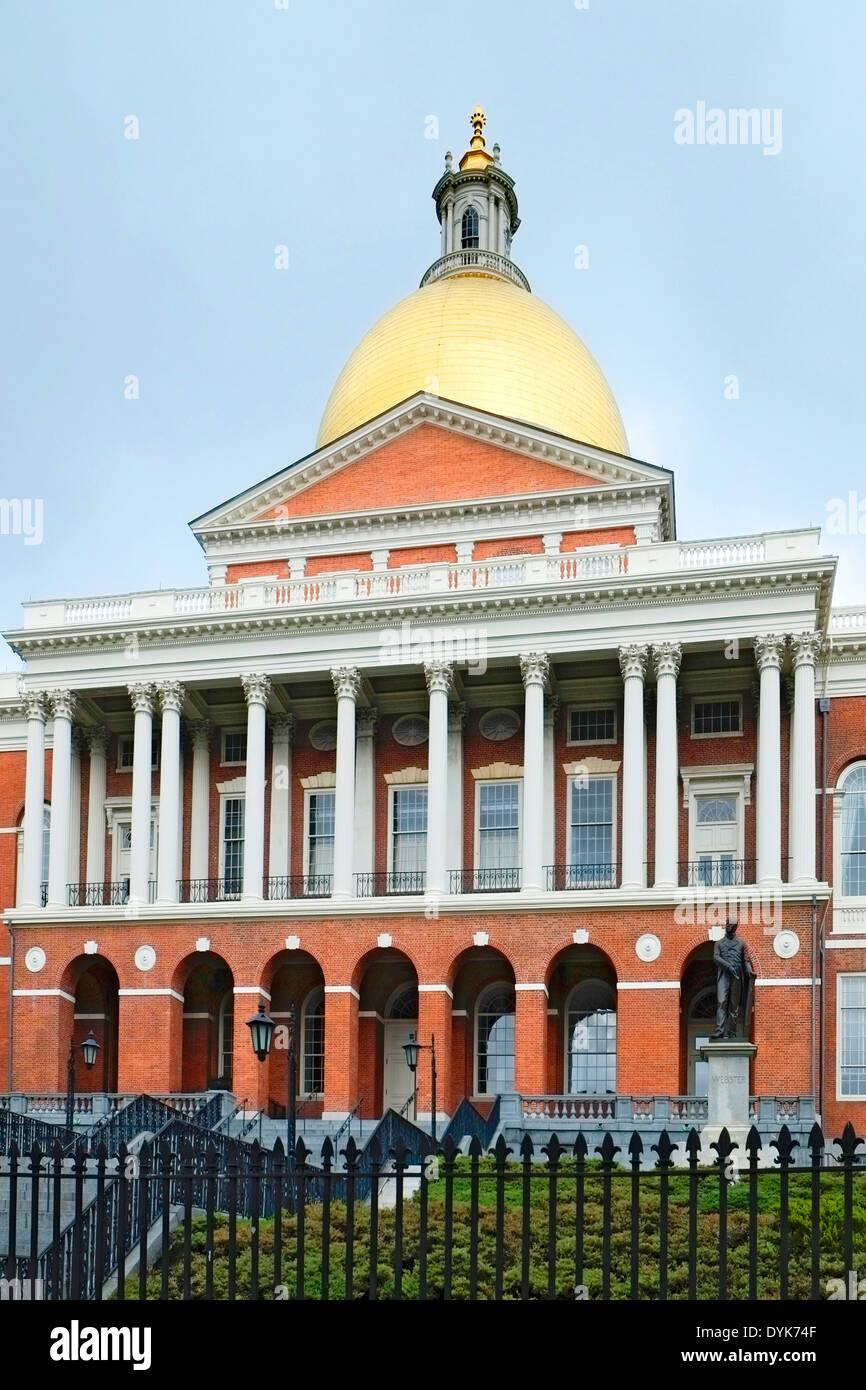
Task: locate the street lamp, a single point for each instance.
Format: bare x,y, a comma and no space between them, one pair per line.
262,1028
412,1049
89,1049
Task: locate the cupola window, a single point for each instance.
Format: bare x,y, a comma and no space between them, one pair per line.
469,229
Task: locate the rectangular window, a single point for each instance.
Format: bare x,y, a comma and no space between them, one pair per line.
320,835
409,831
498,835
125,753
234,747
852,1035
597,725
711,717
591,854
233,844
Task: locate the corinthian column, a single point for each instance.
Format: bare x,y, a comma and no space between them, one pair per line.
440,678
805,647
199,813
34,801
62,704
534,669
168,861
142,697
347,683
97,739
666,659
279,835
257,688
632,662
769,651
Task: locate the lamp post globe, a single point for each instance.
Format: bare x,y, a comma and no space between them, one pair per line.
412,1048
89,1050
261,1027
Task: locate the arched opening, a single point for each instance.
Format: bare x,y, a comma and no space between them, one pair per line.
483,1059
387,1016
295,982
697,1014
850,806
583,1023
469,229
208,1023
93,982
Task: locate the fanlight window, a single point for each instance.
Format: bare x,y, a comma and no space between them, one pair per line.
591,1039
853,833
404,1004
469,229
716,810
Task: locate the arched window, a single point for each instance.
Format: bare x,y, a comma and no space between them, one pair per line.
403,1003
852,833
46,843
469,229
590,1039
313,1043
494,1041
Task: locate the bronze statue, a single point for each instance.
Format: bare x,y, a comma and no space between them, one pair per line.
735,979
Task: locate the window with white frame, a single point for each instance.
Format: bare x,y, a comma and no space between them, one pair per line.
852,1035
408,830
590,1039
498,834
126,752
313,1043
494,1041
591,832
234,747
320,833
232,843
592,724
717,798
717,718
851,870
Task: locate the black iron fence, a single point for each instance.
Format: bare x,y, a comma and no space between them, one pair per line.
205,1218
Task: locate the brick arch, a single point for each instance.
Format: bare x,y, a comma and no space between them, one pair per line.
291,978
381,955
209,1029
843,767
93,982
449,975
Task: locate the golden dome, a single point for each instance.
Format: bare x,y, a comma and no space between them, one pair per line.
482,342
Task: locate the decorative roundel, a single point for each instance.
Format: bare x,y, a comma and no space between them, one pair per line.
499,724
324,735
145,958
786,944
648,947
35,959
411,729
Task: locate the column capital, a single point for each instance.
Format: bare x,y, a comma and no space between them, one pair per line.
199,731
143,697
632,660
257,688
35,706
282,726
806,648
62,704
667,658
171,696
368,722
96,737
457,714
439,676
347,682
534,668
769,651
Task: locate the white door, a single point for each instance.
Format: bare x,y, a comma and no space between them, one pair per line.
716,838
399,1081
123,853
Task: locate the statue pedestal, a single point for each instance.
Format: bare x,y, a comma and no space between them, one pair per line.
727,1095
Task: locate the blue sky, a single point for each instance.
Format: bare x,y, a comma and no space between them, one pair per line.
305,126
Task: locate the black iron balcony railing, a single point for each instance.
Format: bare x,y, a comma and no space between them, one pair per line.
110,894
484,880
209,890
716,873
298,886
564,877
379,885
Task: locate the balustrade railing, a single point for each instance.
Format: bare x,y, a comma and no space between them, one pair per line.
484,880
379,885
718,872
281,888
564,877
209,890
476,259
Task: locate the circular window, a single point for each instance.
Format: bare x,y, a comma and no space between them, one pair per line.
324,735
499,724
411,729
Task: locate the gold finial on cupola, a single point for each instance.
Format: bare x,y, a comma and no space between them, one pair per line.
477,157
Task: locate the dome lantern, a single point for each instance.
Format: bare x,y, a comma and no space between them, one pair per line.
477,210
